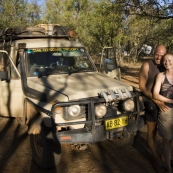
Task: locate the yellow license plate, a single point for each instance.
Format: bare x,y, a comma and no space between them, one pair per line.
116,123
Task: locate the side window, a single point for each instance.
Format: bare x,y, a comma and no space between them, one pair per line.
5,65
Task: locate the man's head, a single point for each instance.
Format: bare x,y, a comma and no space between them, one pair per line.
159,53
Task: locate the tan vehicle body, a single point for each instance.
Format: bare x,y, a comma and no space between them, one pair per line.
50,83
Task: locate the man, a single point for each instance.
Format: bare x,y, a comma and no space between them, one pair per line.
147,75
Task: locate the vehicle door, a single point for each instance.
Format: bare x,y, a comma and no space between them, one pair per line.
11,94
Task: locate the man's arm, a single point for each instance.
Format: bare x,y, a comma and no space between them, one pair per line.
143,77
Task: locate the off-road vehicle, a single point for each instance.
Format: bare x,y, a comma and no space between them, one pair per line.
50,83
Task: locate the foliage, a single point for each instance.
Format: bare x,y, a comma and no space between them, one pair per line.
33,13
124,24
160,9
18,13
12,13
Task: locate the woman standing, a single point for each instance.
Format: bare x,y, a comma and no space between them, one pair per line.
163,91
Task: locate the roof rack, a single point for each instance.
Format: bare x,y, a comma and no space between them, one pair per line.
40,31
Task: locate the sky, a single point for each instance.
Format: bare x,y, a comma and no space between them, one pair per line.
40,2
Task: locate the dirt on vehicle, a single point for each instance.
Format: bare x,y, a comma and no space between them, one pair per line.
102,157
56,90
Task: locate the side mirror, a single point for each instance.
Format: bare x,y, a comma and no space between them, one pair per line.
3,75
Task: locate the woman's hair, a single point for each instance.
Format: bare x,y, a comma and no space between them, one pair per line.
169,53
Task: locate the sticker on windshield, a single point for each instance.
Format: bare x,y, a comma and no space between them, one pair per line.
55,49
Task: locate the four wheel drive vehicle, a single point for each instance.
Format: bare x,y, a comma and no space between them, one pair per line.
50,83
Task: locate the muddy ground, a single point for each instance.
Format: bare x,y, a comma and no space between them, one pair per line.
103,157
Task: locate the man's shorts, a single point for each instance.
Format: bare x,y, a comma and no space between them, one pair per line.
151,111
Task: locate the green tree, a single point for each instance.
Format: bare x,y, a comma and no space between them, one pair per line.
33,13
15,13
149,22
12,13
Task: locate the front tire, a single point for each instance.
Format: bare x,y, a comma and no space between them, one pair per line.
46,153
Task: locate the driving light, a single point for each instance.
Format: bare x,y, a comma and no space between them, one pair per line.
74,110
100,110
128,105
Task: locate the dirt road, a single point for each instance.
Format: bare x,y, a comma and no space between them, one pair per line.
103,157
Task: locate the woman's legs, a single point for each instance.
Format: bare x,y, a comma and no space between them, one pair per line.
167,154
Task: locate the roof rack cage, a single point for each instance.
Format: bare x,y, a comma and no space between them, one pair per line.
41,30
54,29
33,30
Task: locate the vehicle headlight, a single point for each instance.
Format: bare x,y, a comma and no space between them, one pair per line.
74,110
128,105
100,110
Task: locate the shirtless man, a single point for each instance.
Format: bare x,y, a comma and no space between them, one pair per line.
147,75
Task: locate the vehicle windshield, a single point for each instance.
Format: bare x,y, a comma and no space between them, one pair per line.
46,61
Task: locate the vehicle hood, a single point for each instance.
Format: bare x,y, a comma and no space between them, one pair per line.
77,85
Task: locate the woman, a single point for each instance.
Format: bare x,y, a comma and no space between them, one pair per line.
163,91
